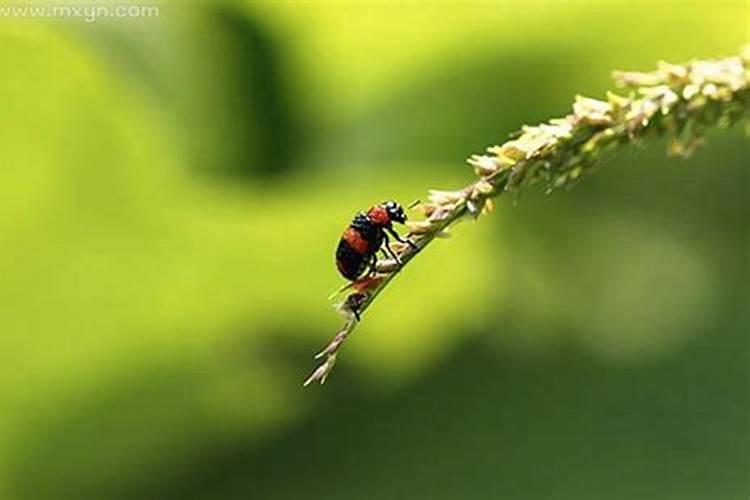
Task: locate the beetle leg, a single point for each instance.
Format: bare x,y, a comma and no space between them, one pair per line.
373,265
387,242
398,238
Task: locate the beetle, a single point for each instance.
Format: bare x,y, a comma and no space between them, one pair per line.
365,235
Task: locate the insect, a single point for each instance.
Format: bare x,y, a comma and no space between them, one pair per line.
365,235
354,303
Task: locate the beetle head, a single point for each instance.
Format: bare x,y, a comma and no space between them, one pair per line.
395,211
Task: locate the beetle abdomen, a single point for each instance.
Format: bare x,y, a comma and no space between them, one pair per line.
349,261
357,246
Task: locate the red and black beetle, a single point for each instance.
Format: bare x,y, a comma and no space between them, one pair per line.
365,235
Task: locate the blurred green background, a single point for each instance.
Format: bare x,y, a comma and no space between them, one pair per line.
171,193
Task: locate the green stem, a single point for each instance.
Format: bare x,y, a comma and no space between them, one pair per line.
680,101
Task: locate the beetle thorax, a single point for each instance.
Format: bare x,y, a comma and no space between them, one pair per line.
379,216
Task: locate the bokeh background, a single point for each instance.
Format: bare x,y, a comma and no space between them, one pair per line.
171,194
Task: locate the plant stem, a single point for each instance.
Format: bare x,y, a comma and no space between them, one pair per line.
679,101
